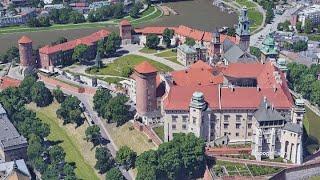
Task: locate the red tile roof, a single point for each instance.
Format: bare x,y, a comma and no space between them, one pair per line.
6,82
223,37
199,78
24,40
87,40
189,32
125,23
145,67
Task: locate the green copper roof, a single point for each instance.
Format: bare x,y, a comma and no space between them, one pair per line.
269,46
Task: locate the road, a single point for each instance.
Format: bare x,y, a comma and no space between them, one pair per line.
85,99
257,38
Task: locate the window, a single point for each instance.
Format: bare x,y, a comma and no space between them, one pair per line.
174,126
184,126
225,126
249,117
238,126
249,126
225,133
238,117
249,134
174,118
194,119
184,118
226,118
237,134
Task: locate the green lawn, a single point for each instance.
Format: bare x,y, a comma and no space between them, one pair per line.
148,50
70,138
159,131
311,123
151,17
144,13
173,59
127,135
116,67
168,53
112,80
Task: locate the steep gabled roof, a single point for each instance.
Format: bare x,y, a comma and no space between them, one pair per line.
266,112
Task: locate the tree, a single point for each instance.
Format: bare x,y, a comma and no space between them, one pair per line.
117,111
57,154
134,12
58,95
104,160
70,110
190,41
315,92
68,171
114,174
33,22
80,53
308,26
126,157
12,54
40,94
269,15
44,21
167,36
305,85
231,31
26,86
299,26
100,100
93,134
255,51
152,41
112,44
35,147
299,46
118,10
76,17
181,158
126,71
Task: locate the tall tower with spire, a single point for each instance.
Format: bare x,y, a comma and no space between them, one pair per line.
242,31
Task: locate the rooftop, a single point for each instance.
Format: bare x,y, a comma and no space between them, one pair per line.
145,67
24,40
6,168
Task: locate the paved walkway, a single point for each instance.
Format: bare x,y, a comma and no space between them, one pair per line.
254,162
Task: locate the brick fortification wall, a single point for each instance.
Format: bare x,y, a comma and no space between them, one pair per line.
66,86
148,132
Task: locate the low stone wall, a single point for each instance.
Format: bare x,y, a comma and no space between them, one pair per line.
298,173
228,150
148,132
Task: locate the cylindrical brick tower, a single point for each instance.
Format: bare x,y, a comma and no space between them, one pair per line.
25,51
145,76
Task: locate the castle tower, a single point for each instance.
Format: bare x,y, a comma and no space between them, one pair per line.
26,58
298,111
216,42
242,31
125,32
197,106
146,100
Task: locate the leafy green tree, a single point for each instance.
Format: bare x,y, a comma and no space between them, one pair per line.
299,46
117,111
31,125
152,41
76,17
308,26
167,36
126,71
305,85
40,94
26,86
269,15
126,157
68,171
118,10
52,172
114,174
315,92
190,41
57,154
134,12
255,51
112,43
100,100
70,110
93,134
104,160
39,164
44,21
33,22
80,53
12,54
181,158
231,31
58,95
35,147
299,26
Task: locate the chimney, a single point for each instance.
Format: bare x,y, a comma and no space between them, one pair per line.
258,89
274,88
